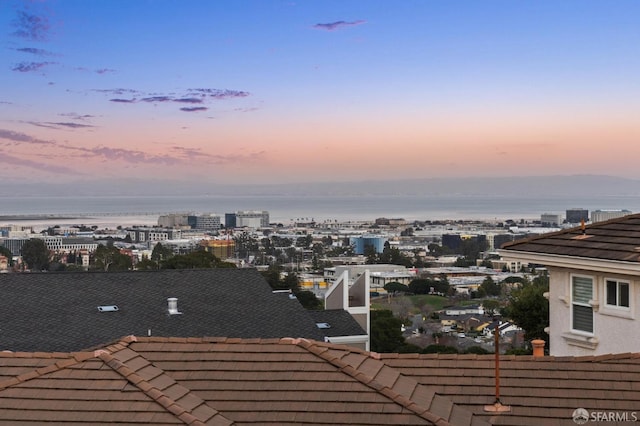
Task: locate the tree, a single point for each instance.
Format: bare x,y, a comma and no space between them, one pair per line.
490,306
304,242
109,259
370,254
147,264
530,309
394,286
420,286
161,253
246,245
309,300
290,281
199,259
272,275
386,332
35,254
7,253
490,287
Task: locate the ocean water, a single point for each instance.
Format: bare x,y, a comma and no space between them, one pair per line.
127,210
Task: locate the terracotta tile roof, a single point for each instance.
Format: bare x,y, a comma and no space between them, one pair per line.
617,239
218,381
539,390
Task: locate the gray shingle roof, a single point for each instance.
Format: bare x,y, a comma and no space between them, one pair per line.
341,322
59,311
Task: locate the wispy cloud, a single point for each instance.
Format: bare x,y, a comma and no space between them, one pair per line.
333,26
220,93
250,109
75,116
59,125
35,51
193,109
118,91
188,100
156,99
192,154
32,27
51,168
22,137
31,66
126,155
105,71
189,96
71,125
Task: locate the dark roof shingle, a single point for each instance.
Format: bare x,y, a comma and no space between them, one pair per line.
617,239
59,311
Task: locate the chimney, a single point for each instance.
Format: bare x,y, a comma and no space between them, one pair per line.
538,348
173,306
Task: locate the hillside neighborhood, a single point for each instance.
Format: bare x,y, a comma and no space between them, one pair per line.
324,324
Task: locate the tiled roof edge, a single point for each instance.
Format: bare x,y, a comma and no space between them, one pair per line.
384,357
405,401
509,244
72,359
157,395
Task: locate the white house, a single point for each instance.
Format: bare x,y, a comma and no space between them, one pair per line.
594,285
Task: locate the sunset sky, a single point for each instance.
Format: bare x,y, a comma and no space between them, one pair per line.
279,91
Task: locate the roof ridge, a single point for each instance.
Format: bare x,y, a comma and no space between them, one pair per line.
72,359
574,229
160,397
383,379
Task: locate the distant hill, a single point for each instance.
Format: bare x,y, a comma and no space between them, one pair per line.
531,186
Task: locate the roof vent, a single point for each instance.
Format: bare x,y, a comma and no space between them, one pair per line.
323,325
173,306
108,308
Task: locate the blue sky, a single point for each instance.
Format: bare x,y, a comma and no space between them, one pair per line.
267,91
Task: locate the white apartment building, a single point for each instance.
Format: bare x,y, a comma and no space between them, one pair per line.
602,215
252,219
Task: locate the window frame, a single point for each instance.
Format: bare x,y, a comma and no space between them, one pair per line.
617,305
587,304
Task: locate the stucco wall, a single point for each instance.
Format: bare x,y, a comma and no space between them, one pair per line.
616,330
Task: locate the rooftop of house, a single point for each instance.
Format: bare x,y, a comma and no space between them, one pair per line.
616,239
543,390
60,311
340,323
155,380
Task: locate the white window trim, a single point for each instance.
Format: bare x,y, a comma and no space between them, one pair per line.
615,310
593,304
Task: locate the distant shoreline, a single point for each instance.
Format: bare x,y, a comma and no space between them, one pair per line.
21,217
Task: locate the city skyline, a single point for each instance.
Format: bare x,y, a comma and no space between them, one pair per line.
240,92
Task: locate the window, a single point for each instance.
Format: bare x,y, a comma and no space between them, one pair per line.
581,310
617,293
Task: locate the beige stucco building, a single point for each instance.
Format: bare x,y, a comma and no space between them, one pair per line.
594,286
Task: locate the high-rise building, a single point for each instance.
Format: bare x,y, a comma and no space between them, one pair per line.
550,219
577,215
208,222
252,219
360,243
230,220
602,215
